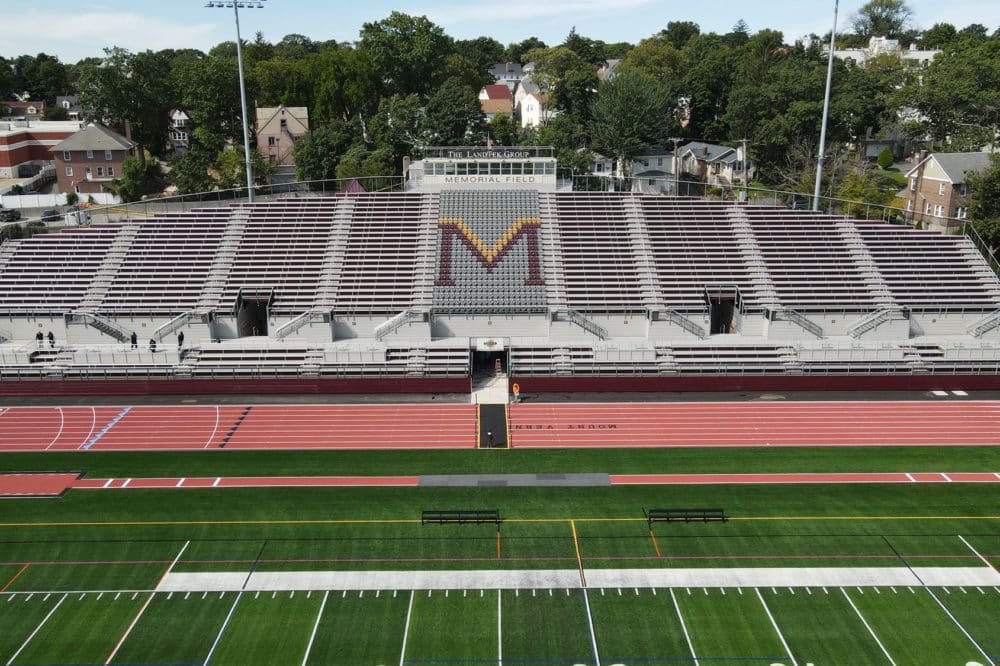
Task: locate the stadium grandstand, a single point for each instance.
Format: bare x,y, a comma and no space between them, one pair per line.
483,263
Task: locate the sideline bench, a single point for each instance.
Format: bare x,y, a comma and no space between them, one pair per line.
477,517
685,515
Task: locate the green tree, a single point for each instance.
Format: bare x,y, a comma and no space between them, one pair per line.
399,126
938,36
984,201
882,18
885,158
318,152
679,33
189,171
655,57
211,95
131,88
408,52
454,115
518,51
586,48
231,171
138,179
504,129
41,76
483,52
630,114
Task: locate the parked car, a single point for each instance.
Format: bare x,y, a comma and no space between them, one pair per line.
35,223
9,214
51,215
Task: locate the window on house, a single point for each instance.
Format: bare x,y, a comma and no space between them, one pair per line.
659,161
107,155
69,171
87,174
67,156
913,184
961,212
600,168
100,172
284,124
938,210
941,188
90,154
111,172
963,190
272,140
927,208
652,181
909,204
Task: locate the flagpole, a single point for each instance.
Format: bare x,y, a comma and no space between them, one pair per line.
826,109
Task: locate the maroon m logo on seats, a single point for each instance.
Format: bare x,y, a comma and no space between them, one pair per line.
489,257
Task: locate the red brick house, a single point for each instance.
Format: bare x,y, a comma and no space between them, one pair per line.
936,187
90,160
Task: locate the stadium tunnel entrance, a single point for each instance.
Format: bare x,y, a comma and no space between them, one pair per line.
252,312
725,305
490,356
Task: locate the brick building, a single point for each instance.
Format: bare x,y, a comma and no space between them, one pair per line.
937,189
90,159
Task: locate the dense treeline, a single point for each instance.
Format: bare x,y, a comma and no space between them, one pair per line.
406,84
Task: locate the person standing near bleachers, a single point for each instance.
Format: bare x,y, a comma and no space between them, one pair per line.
180,340
40,338
52,339
152,345
135,340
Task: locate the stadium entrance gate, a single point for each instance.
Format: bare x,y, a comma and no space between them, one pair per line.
725,308
490,355
252,311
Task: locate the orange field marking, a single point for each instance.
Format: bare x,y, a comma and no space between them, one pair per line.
655,547
16,576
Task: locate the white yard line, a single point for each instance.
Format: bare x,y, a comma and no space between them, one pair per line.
774,623
312,636
687,636
40,625
499,628
868,627
145,605
969,546
406,629
590,623
62,424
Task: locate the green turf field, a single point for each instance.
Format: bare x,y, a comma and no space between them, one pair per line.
78,574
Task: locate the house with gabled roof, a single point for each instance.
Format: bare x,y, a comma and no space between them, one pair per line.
937,188
508,74
715,165
90,160
496,98
277,129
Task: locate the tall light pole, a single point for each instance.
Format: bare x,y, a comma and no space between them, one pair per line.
237,6
826,108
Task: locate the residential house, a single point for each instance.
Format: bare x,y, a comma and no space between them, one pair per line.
25,110
937,189
715,165
880,46
72,106
25,148
653,172
277,129
508,74
179,130
496,98
609,70
90,160
531,104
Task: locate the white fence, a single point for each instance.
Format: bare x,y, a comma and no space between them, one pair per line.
52,200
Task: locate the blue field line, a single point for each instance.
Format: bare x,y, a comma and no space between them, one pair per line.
108,427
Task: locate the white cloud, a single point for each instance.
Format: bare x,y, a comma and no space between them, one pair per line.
72,37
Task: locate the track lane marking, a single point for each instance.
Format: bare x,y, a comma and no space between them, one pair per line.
62,424
16,576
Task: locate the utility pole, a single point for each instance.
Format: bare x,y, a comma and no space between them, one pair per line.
677,167
746,170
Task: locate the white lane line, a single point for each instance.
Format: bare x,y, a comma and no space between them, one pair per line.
93,426
145,605
214,430
687,636
312,636
774,623
406,629
590,623
62,424
108,483
216,482
945,476
910,477
868,627
180,482
127,481
976,552
37,629
500,626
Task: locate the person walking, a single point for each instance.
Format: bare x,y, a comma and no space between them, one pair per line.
152,345
180,340
135,340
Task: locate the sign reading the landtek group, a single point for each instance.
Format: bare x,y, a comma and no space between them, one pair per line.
487,154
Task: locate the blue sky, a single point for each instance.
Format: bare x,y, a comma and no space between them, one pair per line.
72,29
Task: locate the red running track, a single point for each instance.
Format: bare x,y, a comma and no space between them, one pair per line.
429,426
53,485
756,424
